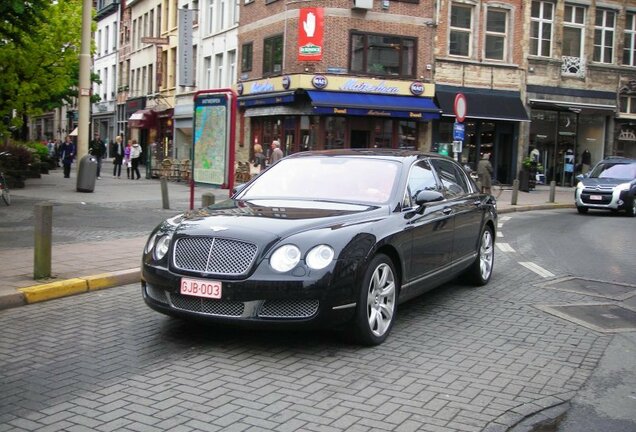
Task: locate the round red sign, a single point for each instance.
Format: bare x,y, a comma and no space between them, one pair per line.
460,107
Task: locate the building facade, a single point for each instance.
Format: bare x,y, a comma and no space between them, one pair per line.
336,74
106,37
581,70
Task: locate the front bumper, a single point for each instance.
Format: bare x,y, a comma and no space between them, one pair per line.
601,199
264,299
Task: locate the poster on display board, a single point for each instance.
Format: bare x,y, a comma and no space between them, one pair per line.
213,149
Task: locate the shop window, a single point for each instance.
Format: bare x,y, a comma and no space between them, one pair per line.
496,34
273,55
335,132
542,17
383,55
407,135
604,36
629,45
461,26
383,133
246,57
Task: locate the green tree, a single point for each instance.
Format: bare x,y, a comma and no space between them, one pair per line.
41,72
18,18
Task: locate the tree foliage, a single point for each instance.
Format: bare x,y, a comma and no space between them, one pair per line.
18,18
40,72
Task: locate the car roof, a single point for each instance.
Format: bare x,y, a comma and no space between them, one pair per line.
398,154
618,159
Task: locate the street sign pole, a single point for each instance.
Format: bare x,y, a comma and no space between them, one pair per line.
460,107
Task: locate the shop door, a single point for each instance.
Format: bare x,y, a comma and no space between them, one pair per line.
503,154
359,139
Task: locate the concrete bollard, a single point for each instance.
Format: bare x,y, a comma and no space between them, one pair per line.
164,193
515,192
43,234
207,199
552,191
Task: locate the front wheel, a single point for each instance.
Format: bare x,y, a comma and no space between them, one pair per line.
377,304
480,271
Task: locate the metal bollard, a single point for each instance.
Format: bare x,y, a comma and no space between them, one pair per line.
164,193
43,240
515,192
207,199
552,191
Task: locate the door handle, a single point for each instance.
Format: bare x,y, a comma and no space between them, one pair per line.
447,210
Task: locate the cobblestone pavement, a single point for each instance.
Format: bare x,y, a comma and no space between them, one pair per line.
458,359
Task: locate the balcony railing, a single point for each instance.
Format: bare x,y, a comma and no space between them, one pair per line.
573,66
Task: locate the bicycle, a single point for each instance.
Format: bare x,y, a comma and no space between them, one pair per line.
4,186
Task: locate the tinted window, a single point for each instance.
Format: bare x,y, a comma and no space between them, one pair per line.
452,177
420,178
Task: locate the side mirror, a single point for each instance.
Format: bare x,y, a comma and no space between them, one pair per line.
428,196
238,188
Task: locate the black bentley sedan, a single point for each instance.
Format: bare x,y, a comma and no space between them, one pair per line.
327,238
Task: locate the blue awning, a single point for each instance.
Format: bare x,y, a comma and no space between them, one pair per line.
266,99
361,104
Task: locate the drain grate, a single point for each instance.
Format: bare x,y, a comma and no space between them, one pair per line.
609,290
606,318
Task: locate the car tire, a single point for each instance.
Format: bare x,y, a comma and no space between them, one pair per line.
377,302
631,209
581,210
479,273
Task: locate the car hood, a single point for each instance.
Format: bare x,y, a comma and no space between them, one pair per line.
263,221
592,182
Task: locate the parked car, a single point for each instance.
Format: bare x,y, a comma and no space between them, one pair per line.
610,185
331,238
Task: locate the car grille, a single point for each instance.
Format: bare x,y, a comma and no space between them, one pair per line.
207,306
214,255
288,309
606,196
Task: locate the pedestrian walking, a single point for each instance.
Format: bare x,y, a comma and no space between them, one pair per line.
135,153
118,156
484,173
67,154
277,153
97,149
127,158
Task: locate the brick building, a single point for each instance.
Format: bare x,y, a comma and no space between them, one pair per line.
336,74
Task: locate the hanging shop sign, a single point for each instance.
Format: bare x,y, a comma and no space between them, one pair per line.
310,34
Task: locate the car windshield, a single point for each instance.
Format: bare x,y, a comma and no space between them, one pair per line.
325,178
614,170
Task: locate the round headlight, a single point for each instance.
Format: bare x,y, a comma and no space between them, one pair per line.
161,249
151,243
285,258
319,257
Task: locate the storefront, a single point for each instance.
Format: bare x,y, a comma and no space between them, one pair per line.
315,112
183,129
492,125
103,122
568,132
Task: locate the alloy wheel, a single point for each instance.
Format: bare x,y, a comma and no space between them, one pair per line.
486,255
381,299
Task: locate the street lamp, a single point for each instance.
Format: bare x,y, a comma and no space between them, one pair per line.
84,99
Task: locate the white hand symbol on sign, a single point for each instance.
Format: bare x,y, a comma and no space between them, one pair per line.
310,25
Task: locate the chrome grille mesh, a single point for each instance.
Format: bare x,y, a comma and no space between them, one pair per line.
207,306
288,309
214,255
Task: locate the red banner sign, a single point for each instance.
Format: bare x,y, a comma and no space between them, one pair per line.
310,34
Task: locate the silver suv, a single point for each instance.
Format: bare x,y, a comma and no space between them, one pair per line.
611,185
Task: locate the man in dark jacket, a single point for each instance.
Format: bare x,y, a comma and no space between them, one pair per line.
97,149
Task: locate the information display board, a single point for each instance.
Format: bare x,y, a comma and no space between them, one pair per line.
212,138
